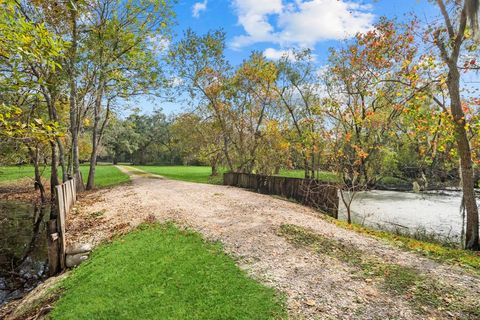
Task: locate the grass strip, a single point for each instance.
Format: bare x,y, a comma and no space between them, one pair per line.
162,272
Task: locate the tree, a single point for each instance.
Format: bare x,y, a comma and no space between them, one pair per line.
451,39
364,102
273,153
152,130
121,138
425,143
200,62
29,57
123,57
472,9
298,91
198,139
249,100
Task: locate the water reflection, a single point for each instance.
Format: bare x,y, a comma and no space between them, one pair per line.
23,248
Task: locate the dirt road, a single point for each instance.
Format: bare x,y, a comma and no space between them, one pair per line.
317,283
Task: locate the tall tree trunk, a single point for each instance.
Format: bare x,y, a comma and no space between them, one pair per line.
454,42
97,131
91,171
61,157
53,179
95,137
312,161
141,158
307,167
38,177
115,158
466,164
227,154
214,170
69,163
213,165
74,121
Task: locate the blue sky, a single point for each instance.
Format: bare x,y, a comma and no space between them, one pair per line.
275,26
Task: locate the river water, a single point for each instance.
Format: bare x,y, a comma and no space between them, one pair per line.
432,213
23,248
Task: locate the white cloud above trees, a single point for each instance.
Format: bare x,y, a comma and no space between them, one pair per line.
301,23
275,54
199,7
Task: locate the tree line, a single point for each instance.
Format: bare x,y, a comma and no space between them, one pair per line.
65,67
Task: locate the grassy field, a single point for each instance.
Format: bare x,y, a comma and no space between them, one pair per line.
186,173
12,173
105,175
161,272
202,173
300,173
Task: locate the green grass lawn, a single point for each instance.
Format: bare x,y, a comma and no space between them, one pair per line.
186,173
300,173
161,272
105,175
12,173
202,173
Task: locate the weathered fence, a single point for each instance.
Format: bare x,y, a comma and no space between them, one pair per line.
66,196
313,193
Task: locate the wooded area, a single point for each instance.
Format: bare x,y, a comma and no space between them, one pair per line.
388,105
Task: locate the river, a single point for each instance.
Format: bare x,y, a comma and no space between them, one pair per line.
432,213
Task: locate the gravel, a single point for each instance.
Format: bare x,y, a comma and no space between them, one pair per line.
316,286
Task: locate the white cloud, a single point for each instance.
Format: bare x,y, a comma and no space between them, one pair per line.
159,43
302,23
274,54
253,17
318,20
291,54
198,7
176,81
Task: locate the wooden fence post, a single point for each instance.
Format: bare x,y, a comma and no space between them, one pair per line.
66,197
52,242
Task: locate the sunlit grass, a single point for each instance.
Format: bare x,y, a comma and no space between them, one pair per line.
202,174
161,272
300,173
105,175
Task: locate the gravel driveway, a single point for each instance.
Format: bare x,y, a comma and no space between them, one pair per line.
316,285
